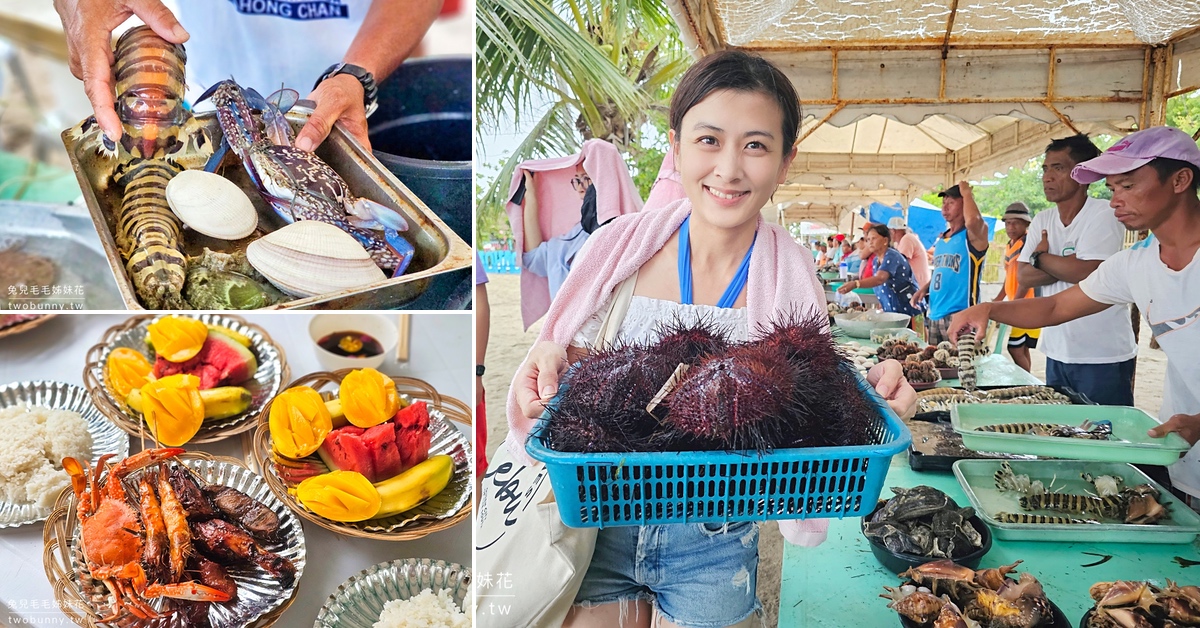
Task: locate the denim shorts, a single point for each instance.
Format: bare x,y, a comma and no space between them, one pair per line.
696,575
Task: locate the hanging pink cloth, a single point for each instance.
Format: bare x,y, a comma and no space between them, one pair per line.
558,205
667,186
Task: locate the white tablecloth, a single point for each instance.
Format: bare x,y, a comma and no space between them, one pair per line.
440,353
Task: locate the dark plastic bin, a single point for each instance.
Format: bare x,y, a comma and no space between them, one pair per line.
422,134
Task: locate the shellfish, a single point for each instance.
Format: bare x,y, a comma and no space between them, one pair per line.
212,205
309,257
298,185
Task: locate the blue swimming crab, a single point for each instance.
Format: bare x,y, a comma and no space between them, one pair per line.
297,184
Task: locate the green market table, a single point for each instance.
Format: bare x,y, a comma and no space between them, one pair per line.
837,584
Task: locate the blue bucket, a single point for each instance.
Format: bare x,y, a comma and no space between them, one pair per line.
422,134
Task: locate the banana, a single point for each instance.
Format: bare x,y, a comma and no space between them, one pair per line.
335,412
415,486
219,403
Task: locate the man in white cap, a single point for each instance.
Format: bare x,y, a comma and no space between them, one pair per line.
1153,175
910,246
1016,225
1096,355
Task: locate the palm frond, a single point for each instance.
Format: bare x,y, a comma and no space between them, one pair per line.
554,134
520,42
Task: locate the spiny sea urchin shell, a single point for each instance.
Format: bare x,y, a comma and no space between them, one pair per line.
806,340
689,343
736,401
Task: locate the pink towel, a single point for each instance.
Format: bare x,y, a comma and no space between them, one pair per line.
782,279
667,186
558,206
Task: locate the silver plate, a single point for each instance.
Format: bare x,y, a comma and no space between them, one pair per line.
258,592
106,437
446,439
67,238
267,381
358,602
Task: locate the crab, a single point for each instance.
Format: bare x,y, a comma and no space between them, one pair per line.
113,535
297,184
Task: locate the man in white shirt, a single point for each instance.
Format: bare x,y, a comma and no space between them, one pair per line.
910,246
1153,175
1095,355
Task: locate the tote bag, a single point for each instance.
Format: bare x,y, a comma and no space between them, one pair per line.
528,563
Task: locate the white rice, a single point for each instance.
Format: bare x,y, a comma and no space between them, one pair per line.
425,610
35,441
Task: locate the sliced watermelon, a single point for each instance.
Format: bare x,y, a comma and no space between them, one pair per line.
412,434
222,361
380,440
345,450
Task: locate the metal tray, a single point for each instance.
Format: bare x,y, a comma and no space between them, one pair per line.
977,478
438,249
1130,442
358,602
61,234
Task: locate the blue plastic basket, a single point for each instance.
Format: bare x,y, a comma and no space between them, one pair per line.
622,489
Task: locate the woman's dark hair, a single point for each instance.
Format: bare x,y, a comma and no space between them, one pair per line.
1079,147
882,230
742,72
1165,167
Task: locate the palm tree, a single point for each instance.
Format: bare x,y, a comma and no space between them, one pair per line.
606,67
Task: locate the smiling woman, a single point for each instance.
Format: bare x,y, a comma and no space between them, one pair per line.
709,256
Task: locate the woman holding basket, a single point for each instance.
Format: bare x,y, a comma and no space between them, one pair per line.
734,119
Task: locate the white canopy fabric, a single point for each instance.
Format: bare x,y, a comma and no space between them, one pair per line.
904,96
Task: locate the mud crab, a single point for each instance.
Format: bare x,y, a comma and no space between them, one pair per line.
297,184
114,535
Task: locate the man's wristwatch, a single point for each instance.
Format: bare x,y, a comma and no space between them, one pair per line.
478,370
370,91
1033,258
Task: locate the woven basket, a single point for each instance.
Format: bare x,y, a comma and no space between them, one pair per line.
132,422
423,525
56,558
13,330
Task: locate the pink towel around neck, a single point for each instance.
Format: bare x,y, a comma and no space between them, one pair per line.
558,206
782,279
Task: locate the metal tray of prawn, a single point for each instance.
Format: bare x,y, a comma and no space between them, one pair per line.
1129,442
438,249
978,479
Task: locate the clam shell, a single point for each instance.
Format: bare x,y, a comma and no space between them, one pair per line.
310,258
317,238
211,204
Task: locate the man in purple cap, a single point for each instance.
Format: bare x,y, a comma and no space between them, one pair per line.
1153,175
1095,355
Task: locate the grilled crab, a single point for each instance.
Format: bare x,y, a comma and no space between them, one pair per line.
297,184
114,535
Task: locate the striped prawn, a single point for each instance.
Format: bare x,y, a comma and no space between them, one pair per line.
161,138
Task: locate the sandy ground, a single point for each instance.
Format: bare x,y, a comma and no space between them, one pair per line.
508,345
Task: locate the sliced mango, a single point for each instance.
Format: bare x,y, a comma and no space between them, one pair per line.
368,397
126,370
299,421
173,408
177,338
340,496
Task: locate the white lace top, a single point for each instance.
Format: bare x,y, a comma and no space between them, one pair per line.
645,314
